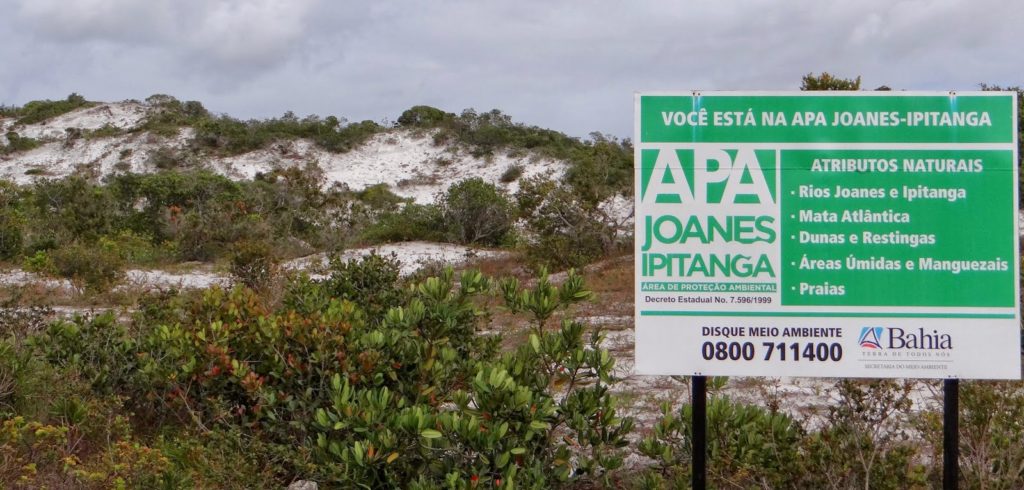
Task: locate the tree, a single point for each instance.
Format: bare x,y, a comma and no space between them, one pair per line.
476,212
827,81
423,116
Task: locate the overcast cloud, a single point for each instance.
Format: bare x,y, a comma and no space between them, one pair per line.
567,65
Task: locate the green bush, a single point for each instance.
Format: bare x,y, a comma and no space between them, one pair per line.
562,230
11,234
168,115
373,282
231,136
864,442
106,131
135,249
40,110
413,222
40,263
424,116
17,143
254,264
476,212
748,446
91,269
357,380
380,197
990,431
827,81
600,170
512,173
71,210
97,349
195,215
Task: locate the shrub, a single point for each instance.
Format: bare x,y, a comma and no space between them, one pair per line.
40,263
379,196
106,131
90,269
254,264
233,137
748,446
990,429
476,212
167,115
71,209
864,442
422,116
512,173
134,249
373,282
41,110
827,81
540,416
600,170
31,453
16,143
412,222
561,229
165,158
11,234
359,379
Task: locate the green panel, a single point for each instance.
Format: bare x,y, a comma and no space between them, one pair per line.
823,118
973,222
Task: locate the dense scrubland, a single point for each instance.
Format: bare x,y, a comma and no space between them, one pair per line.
360,377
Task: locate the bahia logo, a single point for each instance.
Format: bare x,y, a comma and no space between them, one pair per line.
898,338
869,337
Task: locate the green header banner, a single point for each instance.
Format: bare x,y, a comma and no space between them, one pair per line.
812,118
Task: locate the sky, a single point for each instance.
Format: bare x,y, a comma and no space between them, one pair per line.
568,65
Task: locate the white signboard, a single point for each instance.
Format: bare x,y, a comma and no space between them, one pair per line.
838,234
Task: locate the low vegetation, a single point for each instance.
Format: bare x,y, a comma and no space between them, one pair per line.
364,378
41,110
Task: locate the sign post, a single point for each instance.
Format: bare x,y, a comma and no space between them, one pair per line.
699,403
827,234
950,434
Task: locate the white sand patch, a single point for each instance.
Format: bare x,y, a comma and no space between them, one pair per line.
409,163
619,211
121,115
92,157
411,255
17,277
197,279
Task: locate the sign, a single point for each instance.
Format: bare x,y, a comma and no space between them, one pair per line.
834,234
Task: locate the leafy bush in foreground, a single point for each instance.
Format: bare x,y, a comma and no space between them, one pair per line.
362,380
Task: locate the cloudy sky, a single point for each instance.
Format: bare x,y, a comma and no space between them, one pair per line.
569,65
